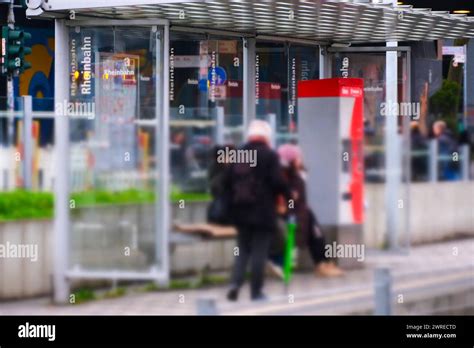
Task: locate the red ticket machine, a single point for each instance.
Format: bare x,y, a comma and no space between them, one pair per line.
330,129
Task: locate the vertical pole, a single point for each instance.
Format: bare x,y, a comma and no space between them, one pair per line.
407,152
323,62
220,126
465,161
271,118
249,82
163,136
11,111
465,148
10,87
433,160
28,142
61,135
392,149
465,87
383,291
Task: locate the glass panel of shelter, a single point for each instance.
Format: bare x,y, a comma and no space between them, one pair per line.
112,148
278,68
206,78
371,67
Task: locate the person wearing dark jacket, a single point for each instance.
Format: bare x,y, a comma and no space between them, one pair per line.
447,145
217,211
217,169
308,231
419,146
252,189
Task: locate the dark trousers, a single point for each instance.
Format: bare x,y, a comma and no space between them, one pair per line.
253,243
316,241
316,247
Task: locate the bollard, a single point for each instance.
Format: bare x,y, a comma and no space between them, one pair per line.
383,291
206,306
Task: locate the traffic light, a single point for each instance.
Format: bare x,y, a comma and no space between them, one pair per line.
26,51
14,50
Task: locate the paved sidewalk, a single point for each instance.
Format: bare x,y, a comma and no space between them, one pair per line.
424,271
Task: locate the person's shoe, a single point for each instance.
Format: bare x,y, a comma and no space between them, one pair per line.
320,270
233,294
274,270
336,271
260,298
325,269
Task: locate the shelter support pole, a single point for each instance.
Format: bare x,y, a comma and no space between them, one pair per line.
164,179
28,142
393,160
249,100
324,63
61,183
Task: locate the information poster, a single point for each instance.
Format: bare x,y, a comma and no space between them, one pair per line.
116,99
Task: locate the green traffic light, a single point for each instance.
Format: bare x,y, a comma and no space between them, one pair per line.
14,49
11,65
15,35
26,65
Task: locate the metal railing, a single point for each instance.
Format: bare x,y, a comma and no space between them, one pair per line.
434,166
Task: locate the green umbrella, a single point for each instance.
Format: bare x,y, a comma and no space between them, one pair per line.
289,247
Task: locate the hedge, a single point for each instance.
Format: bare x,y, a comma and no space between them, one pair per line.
20,204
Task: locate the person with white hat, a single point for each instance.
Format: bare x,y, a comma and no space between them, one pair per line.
252,189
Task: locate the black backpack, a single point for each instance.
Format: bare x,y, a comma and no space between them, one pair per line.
218,212
246,185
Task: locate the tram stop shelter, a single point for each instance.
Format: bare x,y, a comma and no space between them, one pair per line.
156,74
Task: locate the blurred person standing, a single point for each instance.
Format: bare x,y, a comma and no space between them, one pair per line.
447,145
252,189
218,210
178,158
308,231
419,148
